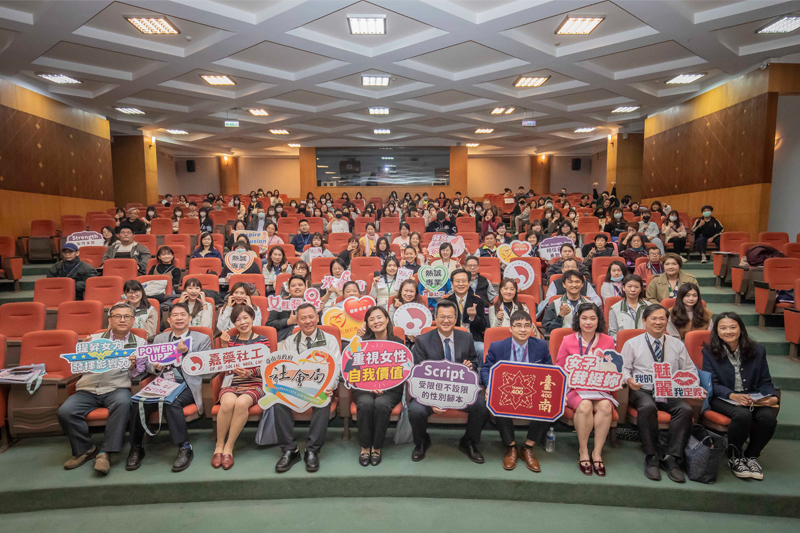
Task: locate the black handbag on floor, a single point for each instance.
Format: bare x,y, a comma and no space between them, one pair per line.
703,453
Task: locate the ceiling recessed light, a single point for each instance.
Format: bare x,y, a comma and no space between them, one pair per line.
367,24
153,25
381,131
626,109
59,78
178,132
294,145
387,158
374,81
531,81
322,166
578,25
329,172
685,78
585,130
484,130
378,110
129,110
217,79
498,110
259,112
279,132
473,145
783,25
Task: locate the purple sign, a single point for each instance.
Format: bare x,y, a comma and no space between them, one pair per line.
443,384
551,247
163,354
86,238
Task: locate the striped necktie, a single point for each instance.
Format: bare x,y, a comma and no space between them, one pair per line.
659,353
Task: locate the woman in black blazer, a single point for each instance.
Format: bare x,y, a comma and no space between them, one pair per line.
738,367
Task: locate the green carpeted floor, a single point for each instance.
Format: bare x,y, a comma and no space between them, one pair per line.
386,515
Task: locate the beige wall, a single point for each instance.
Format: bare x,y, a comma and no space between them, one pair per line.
562,175
490,175
203,180
270,174
167,177
599,161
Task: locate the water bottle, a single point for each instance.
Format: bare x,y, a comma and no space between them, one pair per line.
550,444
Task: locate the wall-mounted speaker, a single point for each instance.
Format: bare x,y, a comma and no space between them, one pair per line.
576,163
190,165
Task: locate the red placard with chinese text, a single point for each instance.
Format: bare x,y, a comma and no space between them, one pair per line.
525,390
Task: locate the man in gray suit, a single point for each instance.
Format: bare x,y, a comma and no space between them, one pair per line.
451,344
179,319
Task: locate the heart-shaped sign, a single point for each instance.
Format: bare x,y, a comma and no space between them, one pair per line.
505,253
356,307
238,262
347,326
297,381
522,272
413,318
521,248
433,278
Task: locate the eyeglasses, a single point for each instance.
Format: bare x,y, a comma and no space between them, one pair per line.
522,326
122,317
445,318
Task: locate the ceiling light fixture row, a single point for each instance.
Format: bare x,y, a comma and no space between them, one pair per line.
375,81
484,130
378,110
502,111
218,79
626,109
531,81
153,25
579,25
258,112
129,110
294,145
585,130
279,132
367,24
782,25
60,79
381,131
178,132
473,145
683,79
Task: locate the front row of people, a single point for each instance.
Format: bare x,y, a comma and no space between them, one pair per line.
741,390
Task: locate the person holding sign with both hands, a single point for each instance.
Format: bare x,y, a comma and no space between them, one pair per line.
590,413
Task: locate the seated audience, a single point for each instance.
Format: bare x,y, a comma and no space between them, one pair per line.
674,232
201,311
481,286
240,294
385,285
127,248
688,313
71,266
612,286
471,311
275,265
165,266
706,229
627,313
145,315
559,312
285,321
666,285
302,238
652,267
205,247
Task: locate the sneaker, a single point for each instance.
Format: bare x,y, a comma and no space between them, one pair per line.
703,258
755,469
739,468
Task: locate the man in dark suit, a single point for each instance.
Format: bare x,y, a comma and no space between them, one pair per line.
471,311
447,343
526,349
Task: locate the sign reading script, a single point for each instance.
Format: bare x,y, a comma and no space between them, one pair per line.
525,390
444,385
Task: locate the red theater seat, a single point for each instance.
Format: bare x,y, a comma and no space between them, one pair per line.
780,274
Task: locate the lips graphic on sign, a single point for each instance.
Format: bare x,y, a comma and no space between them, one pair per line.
433,278
522,272
297,382
684,378
239,262
413,318
356,307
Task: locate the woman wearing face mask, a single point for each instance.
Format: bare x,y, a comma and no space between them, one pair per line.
206,224
706,229
615,223
338,223
177,215
151,214
674,232
612,285
242,245
272,214
688,313
555,222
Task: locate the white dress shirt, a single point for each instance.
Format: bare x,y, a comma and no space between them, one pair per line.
637,358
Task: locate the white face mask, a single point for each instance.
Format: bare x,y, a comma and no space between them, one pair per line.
673,217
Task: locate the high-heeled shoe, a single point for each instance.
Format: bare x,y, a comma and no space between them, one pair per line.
599,468
585,468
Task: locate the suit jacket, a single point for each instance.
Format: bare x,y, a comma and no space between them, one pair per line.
200,343
477,326
482,290
755,373
538,353
429,348
658,288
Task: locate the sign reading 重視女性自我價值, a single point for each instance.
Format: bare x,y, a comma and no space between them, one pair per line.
376,365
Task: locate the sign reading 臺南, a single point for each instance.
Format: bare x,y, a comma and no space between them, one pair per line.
224,359
444,384
297,381
526,390
664,384
97,356
376,365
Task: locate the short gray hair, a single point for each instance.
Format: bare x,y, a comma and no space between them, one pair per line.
122,305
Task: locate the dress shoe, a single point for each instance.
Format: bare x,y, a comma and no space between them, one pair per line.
674,472
75,462
530,460
469,448
585,467
101,463
419,451
135,458
363,459
510,458
312,461
599,468
651,470
227,461
184,459
216,460
375,458
287,460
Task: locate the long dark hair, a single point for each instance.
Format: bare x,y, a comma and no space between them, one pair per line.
680,315
390,259
499,303
370,335
622,266
747,346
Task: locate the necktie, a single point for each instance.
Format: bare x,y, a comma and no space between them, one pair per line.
448,354
658,352
460,306
308,342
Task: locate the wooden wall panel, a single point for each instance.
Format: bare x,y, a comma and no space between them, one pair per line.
540,173
229,175
744,208
624,164
729,148
19,208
